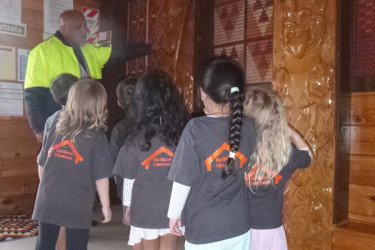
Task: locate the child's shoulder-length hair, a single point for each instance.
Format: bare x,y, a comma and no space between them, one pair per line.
86,109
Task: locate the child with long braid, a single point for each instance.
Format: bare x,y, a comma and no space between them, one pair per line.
270,167
209,164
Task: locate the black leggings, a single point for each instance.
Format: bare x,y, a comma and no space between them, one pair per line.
76,239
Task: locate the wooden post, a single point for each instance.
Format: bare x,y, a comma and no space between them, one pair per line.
304,77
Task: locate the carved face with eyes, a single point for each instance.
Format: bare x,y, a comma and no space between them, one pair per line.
302,32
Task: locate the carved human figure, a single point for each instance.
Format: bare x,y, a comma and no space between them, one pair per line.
303,79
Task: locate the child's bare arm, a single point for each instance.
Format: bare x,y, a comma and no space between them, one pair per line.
102,186
40,172
299,142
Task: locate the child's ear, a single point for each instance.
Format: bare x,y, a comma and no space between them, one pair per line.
118,103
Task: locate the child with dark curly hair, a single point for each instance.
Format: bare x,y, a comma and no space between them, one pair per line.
157,117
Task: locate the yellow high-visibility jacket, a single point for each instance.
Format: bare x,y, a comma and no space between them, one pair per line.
47,61
51,58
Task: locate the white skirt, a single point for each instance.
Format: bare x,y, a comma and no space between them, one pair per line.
137,234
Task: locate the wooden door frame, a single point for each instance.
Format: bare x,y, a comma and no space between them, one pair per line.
343,105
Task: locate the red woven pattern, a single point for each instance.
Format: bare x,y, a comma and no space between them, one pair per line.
18,226
259,41
363,50
235,51
229,34
229,27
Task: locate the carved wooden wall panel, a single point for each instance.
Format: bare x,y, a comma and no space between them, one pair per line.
169,26
304,70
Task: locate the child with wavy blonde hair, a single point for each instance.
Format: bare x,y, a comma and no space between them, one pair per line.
73,164
270,167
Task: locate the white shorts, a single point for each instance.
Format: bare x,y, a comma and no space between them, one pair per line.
137,234
241,242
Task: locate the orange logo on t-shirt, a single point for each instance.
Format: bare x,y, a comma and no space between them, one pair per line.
159,161
221,161
250,177
67,154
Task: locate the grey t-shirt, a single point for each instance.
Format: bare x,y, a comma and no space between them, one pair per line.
115,140
151,189
266,201
114,146
216,209
67,189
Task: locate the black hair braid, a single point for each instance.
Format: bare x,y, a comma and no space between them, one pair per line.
236,114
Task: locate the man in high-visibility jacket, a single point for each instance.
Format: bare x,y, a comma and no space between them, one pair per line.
67,52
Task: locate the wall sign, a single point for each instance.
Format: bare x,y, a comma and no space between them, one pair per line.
93,23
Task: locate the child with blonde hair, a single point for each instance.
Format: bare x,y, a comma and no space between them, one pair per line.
73,164
270,167
60,90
